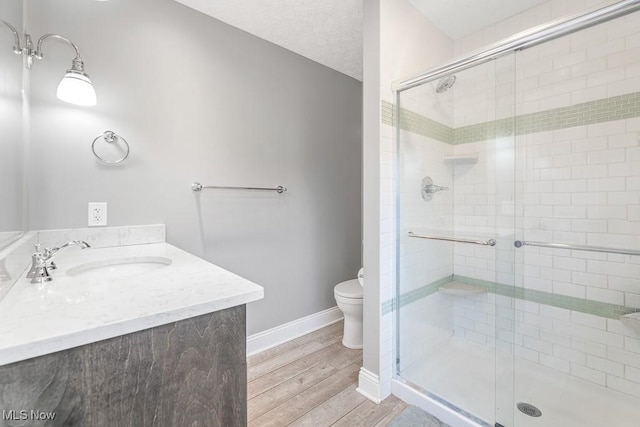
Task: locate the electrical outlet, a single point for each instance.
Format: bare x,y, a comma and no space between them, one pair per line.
97,214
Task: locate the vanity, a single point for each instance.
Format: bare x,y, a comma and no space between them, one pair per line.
132,331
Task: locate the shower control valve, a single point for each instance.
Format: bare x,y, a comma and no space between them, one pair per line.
429,188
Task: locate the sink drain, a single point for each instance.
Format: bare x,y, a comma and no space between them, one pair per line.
529,409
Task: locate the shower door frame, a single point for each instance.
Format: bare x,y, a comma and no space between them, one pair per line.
520,41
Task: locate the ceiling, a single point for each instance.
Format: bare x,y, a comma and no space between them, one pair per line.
325,31
330,31
459,18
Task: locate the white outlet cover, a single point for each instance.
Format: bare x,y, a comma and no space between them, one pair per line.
97,214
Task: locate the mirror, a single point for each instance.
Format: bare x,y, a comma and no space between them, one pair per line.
12,187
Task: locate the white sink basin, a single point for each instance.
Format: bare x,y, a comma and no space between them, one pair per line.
116,268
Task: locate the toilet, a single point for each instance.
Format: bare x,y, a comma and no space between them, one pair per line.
348,295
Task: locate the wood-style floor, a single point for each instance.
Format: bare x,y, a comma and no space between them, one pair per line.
312,381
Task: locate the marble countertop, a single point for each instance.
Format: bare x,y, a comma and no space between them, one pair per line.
71,311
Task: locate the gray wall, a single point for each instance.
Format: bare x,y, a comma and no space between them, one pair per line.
11,138
200,100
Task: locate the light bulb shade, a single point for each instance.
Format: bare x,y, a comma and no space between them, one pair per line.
76,88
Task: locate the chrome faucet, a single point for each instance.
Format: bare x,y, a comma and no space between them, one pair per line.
41,261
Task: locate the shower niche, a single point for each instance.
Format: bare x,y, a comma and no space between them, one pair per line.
541,146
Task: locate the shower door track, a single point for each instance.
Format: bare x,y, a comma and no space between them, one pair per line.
479,422
525,39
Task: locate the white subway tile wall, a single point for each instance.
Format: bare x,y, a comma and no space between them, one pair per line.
387,251
425,321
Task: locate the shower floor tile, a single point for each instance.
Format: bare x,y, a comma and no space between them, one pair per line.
465,373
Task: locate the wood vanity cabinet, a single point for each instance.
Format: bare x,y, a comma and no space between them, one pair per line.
188,373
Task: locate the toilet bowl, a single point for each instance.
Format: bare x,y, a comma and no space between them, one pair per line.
348,295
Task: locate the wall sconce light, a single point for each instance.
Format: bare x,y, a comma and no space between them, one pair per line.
75,87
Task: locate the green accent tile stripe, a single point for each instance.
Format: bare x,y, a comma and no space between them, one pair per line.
602,110
484,131
388,113
387,306
596,308
416,123
587,113
415,295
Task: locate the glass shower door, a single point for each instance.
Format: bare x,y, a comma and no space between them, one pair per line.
456,221
539,153
578,231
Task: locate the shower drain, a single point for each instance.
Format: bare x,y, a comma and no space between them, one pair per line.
529,409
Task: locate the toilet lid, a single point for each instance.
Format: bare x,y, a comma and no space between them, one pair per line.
349,289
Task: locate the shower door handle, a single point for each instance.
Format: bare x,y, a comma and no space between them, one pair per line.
521,243
489,242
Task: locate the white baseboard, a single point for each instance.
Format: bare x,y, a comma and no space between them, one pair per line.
369,385
435,408
280,334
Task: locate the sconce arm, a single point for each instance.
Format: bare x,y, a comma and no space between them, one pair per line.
17,49
38,53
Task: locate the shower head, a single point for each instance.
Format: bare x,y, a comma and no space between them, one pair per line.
445,83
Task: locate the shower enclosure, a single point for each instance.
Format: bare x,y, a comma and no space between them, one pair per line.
518,264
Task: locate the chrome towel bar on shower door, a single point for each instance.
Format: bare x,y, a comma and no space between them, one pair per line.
196,186
520,243
490,242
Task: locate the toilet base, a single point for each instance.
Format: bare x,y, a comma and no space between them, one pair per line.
349,297
352,331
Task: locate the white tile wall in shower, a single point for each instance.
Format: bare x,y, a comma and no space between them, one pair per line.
537,15
562,201
592,64
603,351
424,261
577,185
387,253
400,25
421,100
431,325
426,322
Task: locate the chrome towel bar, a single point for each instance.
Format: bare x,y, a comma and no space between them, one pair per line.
490,242
520,243
196,186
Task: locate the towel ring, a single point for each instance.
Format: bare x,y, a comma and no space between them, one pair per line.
110,137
